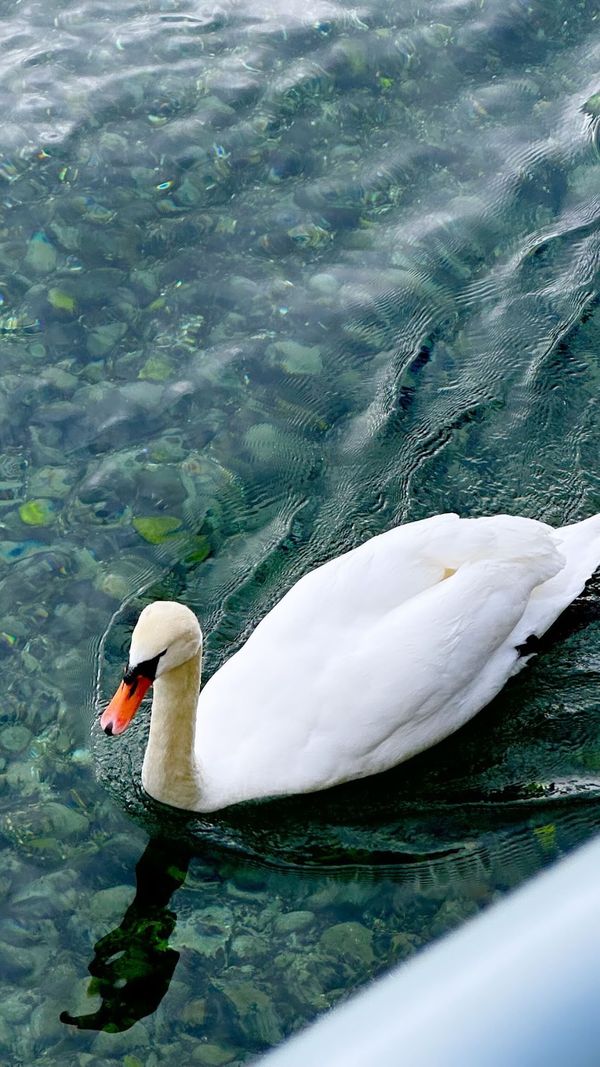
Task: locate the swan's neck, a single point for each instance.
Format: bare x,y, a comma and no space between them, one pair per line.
169,773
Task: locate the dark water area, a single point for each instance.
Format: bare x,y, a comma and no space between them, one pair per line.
274,277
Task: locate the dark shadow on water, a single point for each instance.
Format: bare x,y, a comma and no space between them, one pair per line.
133,964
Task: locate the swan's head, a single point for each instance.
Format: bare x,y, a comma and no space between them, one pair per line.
166,635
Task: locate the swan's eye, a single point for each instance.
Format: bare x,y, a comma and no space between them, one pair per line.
147,669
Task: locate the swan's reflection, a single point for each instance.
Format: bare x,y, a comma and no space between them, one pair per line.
133,964
315,931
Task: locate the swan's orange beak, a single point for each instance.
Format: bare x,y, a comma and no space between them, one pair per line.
123,706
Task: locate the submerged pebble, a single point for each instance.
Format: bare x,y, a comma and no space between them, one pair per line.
110,904
41,256
292,921
103,339
295,358
15,738
350,941
213,1055
254,1010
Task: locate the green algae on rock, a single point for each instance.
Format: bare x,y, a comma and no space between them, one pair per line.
40,512
61,300
156,529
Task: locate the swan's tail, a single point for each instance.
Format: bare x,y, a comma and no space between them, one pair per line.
580,546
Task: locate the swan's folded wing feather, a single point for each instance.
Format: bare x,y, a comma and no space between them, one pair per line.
303,711
426,668
369,580
390,569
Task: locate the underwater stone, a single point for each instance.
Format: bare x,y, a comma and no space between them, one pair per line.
58,412
97,287
49,894
193,1012
208,933
213,1055
60,379
230,325
324,284
167,449
145,286
17,961
37,350
116,586
190,193
295,358
65,821
52,482
13,551
111,903
113,146
78,996
16,1006
108,1046
93,372
147,395
584,181
305,977
255,1012
15,738
41,255
215,112
264,440
45,1026
12,629
156,369
248,947
350,941
437,35
6,1037
344,151
239,290
160,484
292,921
451,913
23,778
404,944
102,339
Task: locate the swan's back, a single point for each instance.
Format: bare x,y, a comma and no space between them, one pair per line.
381,652
391,568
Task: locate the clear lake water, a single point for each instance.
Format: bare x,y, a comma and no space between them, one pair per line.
274,277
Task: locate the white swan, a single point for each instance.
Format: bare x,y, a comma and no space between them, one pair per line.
368,660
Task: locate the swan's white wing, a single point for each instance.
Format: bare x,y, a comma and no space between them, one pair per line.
367,581
330,688
388,570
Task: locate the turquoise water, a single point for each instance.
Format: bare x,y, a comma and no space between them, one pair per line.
273,278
